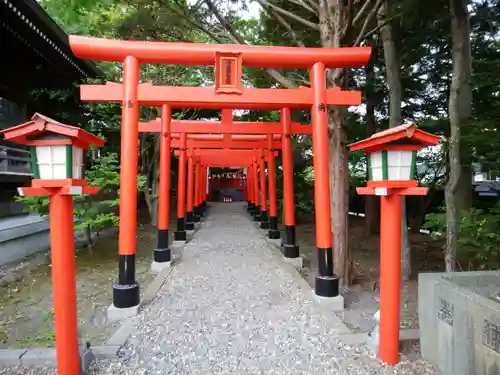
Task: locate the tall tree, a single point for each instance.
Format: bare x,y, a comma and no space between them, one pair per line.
393,74
459,109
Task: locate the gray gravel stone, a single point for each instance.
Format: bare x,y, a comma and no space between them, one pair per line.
230,307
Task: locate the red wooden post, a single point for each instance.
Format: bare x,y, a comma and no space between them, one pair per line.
62,245
126,292
290,247
326,282
205,186
256,212
162,254
274,232
198,213
251,202
190,191
180,234
264,219
390,277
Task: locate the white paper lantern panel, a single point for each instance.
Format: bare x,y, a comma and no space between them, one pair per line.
51,162
376,166
399,165
77,160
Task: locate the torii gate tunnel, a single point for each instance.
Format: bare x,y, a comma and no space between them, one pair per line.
228,93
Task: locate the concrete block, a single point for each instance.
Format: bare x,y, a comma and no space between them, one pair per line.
39,357
11,357
178,244
353,338
335,304
115,314
157,267
275,242
296,262
106,351
86,359
460,322
119,337
153,287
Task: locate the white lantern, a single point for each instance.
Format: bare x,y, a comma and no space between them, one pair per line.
57,162
392,165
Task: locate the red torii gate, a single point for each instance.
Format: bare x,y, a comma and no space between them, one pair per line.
244,158
228,93
228,126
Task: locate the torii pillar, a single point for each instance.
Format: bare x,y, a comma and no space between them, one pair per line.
291,251
190,191
264,219
256,212
162,254
180,234
326,284
198,212
274,232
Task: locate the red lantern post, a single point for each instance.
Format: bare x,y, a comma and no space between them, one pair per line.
57,165
391,158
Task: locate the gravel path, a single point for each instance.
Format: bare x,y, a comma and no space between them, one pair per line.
231,307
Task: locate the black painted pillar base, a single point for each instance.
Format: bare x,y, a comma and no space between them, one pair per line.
274,232
326,286
255,211
291,251
326,283
290,247
196,214
126,292
189,221
256,216
264,221
162,253
199,211
180,234
250,207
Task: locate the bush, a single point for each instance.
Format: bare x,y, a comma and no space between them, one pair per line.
93,212
479,238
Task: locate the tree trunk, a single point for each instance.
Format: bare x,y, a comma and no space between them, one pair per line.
331,22
372,206
459,109
417,221
392,69
339,200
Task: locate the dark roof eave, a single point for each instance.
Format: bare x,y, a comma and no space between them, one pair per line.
89,67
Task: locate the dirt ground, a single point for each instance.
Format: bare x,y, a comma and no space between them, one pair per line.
26,314
362,298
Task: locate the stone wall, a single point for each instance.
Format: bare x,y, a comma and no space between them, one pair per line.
460,322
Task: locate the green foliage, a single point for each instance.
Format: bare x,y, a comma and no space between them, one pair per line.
92,212
479,238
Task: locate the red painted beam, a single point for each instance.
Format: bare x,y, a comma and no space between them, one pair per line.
206,97
226,144
204,54
237,127
220,137
223,155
